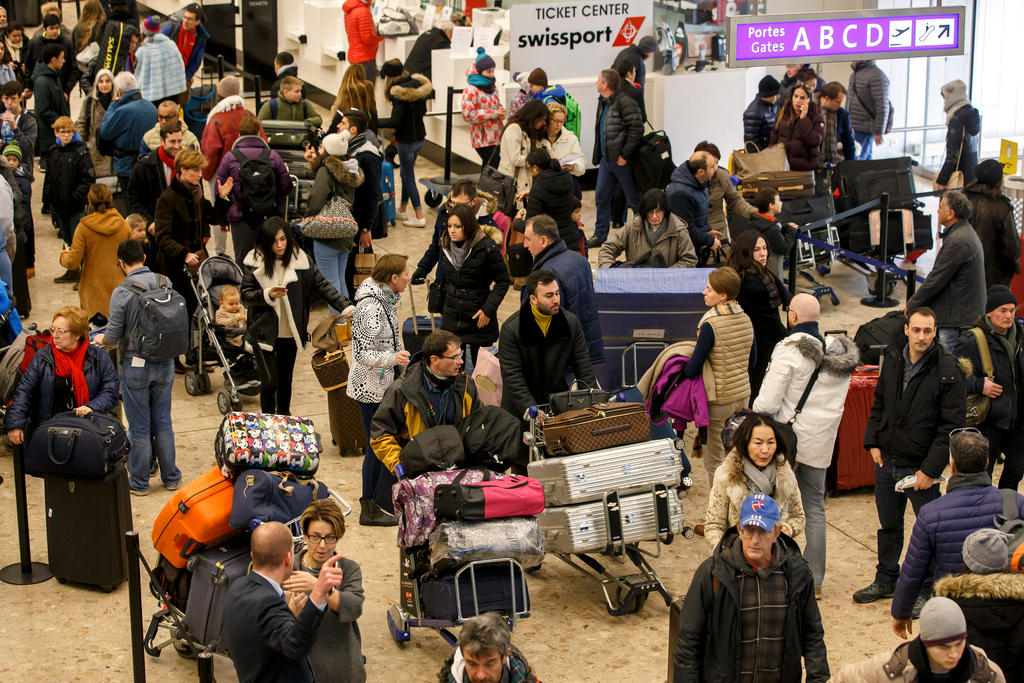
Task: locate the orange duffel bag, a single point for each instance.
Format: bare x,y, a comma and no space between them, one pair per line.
195,518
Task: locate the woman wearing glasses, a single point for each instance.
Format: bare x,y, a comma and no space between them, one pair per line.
337,653
564,146
756,464
69,374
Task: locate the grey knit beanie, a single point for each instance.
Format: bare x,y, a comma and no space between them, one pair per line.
942,622
985,551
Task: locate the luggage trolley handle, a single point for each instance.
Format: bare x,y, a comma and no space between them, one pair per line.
512,564
412,303
614,542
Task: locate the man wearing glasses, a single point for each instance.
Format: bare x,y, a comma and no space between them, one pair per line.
942,526
167,112
919,399
755,586
153,171
434,391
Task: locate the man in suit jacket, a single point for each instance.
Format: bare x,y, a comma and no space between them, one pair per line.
266,642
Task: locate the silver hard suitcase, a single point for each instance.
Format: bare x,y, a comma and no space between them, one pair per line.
628,469
608,523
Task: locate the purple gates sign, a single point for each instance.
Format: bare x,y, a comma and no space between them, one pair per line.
842,36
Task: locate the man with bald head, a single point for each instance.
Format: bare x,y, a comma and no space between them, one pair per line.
167,112
688,197
807,359
266,642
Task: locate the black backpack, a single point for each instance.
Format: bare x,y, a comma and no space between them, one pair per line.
258,186
163,329
652,164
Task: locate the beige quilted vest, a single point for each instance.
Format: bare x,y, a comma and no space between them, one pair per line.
730,356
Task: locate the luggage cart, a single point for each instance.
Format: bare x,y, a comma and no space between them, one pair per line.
409,612
171,615
623,594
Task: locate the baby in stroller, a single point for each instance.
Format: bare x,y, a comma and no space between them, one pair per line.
231,314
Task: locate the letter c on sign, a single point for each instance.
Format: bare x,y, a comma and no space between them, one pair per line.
846,39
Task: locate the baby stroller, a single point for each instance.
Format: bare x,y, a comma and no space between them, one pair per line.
210,347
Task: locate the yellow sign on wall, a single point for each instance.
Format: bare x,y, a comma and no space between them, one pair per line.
1008,156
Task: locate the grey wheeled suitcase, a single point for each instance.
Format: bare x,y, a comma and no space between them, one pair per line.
213,572
629,469
86,521
657,515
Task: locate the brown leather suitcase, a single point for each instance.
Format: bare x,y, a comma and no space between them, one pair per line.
346,423
602,425
790,184
674,613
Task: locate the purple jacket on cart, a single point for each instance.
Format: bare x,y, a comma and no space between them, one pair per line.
970,503
252,146
678,396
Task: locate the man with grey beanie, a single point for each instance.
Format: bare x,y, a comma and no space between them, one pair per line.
994,345
940,653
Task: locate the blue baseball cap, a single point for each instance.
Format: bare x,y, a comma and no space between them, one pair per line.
759,510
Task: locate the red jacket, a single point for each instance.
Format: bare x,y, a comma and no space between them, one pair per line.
362,36
221,132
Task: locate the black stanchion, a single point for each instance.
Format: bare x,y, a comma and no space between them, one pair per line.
448,125
205,664
26,571
135,608
258,85
792,265
880,300
911,279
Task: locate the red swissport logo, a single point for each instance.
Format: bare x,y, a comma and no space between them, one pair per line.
629,31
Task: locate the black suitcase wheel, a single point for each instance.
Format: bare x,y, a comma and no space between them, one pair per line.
433,199
632,605
192,385
204,382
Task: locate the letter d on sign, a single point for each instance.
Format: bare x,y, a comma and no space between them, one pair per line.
874,35
825,40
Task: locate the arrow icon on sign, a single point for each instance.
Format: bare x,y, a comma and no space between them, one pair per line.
944,33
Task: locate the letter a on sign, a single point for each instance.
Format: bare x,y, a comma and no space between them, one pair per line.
629,31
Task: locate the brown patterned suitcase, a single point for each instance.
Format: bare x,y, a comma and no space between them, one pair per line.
346,423
602,425
789,184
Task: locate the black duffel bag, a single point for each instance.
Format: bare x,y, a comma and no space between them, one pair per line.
89,447
434,449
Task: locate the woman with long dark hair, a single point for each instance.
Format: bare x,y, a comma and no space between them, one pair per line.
523,133
762,295
277,285
475,281
800,126
552,194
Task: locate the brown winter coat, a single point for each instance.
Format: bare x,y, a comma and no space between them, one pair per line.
722,190
886,667
95,248
992,218
730,490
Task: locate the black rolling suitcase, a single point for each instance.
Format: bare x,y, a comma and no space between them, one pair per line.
880,332
418,327
86,520
213,572
493,586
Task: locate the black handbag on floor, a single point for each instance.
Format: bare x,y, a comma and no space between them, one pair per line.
88,447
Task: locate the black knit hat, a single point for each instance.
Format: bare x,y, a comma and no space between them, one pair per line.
768,86
391,68
999,295
989,172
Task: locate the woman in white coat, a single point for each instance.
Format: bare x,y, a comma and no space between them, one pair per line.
523,132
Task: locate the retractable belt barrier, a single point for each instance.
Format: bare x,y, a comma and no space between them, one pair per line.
852,255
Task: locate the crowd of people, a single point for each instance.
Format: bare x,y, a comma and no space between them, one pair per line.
751,610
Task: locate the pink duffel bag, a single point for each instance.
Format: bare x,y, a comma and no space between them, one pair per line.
414,503
495,498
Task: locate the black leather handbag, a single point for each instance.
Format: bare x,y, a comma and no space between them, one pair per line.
89,447
575,399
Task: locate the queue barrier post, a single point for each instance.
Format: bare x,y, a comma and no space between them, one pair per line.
131,539
25,572
880,299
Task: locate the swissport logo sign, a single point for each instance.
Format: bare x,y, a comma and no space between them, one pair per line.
575,39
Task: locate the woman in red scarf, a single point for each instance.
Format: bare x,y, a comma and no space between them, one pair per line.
69,374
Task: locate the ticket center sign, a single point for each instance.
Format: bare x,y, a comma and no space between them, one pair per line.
575,39
845,36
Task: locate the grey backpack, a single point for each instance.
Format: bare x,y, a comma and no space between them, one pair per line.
162,331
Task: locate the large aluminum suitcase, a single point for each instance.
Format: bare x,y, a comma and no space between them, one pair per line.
629,469
584,528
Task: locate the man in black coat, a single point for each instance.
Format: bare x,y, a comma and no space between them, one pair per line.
436,38
152,174
1002,339
636,54
919,399
266,642
53,34
538,344
618,131
750,612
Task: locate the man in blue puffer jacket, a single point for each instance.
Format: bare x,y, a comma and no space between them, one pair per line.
970,503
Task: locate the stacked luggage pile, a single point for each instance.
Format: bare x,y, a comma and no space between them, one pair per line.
265,472
607,488
465,531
